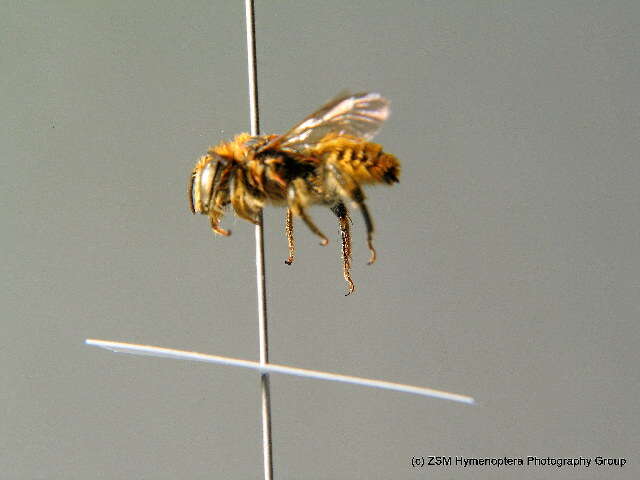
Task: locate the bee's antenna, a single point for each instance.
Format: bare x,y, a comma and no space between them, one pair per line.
254,113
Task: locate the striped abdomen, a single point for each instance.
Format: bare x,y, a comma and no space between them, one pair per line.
365,162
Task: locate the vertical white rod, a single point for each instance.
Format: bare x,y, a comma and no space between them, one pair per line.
260,274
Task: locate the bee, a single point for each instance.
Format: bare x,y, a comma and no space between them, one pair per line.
323,160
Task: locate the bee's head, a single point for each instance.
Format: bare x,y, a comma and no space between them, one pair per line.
203,180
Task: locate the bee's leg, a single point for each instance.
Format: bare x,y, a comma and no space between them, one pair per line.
341,212
349,189
220,198
245,210
245,204
215,224
297,208
292,244
299,211
215,215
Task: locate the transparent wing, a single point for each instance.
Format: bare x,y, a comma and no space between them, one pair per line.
360,115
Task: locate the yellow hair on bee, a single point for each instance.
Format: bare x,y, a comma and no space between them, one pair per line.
323,160
364,161
234,149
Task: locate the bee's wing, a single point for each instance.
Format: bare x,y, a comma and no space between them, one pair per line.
360,115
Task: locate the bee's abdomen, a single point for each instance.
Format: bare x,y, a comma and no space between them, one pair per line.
366,162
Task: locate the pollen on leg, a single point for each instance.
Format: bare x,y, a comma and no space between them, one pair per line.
343,222
346,257
290,240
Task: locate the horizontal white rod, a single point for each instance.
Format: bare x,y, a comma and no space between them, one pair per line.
148,350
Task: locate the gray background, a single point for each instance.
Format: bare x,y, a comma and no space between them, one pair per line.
508,254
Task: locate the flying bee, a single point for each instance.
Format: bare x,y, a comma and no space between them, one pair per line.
322,160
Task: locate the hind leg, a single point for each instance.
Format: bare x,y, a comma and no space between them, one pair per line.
290,240
349,189
340,210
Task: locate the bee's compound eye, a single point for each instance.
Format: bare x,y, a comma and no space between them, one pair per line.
205,184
